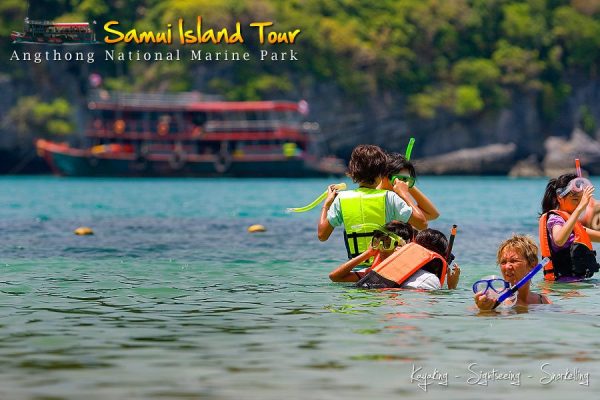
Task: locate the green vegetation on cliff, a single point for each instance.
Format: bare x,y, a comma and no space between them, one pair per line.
32,118
461,57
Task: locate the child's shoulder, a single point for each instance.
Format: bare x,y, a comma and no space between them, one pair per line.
423,279
554,219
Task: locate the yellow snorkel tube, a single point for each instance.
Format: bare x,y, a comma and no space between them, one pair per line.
338,186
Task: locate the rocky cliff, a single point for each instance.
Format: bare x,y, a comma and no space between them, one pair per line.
488,143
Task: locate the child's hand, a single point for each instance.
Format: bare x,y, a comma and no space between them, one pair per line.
483,302
372,252
588,192
453,276
401,188
331,194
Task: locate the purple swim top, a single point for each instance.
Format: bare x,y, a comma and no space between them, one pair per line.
570,279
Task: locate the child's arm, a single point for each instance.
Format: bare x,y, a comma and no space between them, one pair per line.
424,204
593,234
324,228
560,233
344,273
417,218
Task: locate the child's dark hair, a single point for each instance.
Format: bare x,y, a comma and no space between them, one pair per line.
402,229
550,201
397,162
436,241
433,240
367,163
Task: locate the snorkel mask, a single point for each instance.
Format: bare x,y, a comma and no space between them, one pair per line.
410,181
574,186
492,284
494,287
381,244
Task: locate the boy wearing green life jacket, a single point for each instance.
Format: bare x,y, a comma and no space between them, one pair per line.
367,204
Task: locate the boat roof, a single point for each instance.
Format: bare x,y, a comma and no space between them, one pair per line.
71,24
33,22
219,106
189,101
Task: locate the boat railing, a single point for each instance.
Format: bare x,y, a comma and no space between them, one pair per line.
148,99
38,22
211,126
147,127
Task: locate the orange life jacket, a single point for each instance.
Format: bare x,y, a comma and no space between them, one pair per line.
578,260
399,266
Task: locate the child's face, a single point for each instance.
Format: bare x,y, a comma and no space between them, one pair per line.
384,244
386,184
570,202
513,265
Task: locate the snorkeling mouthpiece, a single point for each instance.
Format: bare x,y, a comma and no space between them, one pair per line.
338,186
523,281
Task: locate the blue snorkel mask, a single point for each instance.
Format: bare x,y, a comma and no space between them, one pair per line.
494,287
503,292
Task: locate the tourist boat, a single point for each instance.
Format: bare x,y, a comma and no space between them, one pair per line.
54,32
191,134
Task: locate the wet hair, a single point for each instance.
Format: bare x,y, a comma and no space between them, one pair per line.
402,229
367,163
523,244
433,240
397,162
550,200
436,241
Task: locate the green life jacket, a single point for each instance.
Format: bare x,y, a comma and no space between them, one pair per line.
361,206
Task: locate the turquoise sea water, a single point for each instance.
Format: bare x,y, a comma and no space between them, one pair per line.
172,298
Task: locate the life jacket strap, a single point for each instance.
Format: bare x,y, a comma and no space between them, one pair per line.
354,236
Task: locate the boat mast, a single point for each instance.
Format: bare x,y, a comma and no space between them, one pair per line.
26,18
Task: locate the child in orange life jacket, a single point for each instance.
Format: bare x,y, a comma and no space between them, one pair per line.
367,204
430,275
562,237
399,167
424,278
516,257
380,248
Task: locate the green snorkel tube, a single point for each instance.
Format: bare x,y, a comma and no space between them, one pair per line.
409,148
410,181
338,186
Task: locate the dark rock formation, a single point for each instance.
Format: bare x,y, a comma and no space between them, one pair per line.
495,159
527,168
380,118
561,154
